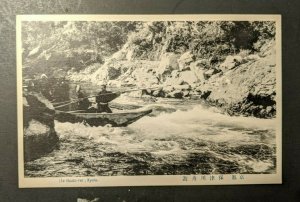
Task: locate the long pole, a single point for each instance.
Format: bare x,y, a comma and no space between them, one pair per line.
90,96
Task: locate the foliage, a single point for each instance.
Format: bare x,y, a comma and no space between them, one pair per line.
78,44
205,39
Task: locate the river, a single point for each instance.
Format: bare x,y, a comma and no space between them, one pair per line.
179,137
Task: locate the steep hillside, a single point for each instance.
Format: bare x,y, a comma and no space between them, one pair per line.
248,87
228,64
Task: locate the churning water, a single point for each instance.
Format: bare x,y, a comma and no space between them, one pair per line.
179,137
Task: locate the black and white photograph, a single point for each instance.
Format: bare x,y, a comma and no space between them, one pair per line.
137,100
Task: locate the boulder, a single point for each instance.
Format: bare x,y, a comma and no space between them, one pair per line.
175,74
185,93
171,81
120,55
205,94
39,133
175,94
167,64
230,62
110,70
182,87
168,89
198,68
158,93
209,73
185,60
179,78
198,89
144,78
188,77
113,72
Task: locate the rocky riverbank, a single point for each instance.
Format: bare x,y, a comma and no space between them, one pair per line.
39,134
243,84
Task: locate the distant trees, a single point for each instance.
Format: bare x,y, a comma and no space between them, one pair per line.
71,45
104,38
203,38
76,45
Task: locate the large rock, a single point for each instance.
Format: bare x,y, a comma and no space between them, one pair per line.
230,62
110,70
167,64
179,78
185,60
145,77
199,67
39,133
175,94
168,89
182,87
158,93
210,72
138,73
188,77
119,55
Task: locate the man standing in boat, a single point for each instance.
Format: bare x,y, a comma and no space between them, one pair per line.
102,100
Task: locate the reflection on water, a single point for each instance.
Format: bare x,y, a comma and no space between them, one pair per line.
179,138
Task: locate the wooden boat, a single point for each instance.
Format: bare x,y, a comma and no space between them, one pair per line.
118,119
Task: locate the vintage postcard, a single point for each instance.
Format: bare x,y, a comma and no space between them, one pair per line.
149,100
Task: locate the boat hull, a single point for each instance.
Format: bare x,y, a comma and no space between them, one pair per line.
120,119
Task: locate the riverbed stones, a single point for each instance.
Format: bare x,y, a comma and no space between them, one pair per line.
168,89
182,87
158,93
175,94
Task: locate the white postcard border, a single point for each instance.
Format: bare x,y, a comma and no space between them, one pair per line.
150,180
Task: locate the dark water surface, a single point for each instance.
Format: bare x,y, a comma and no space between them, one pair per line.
179,137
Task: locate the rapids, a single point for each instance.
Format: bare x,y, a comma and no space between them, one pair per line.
179,137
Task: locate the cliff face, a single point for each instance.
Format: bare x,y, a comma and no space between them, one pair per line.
39,133
247,88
